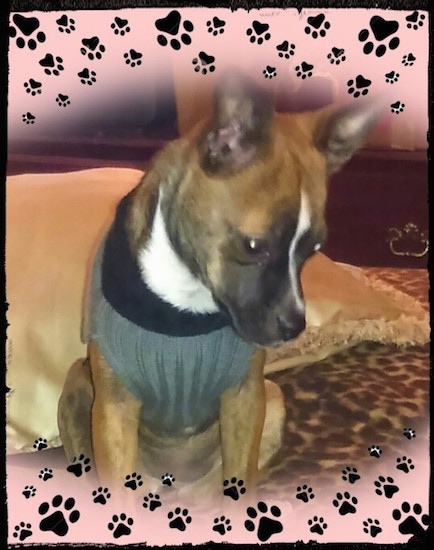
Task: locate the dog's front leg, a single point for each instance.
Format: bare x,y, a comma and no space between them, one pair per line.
242,415
115,423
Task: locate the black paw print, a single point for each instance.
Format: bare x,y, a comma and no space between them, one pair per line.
381,29
63,100
204,63
233,488
409,433
222,525
79,465
133,58
216,26
404,464
410,525
375,451
168,479
386,486
51,64
45,474
179,519
286,49
397,107
65,24
345,503
92,48
304,70
27,26
372,527
336,56
120,26
87,77
40,444
415,20
28,118
33,87
133,481
170,25
101,495
359,86
258,32
58,521
392,77
152,502
317,525
305,493
22,531
317,26
350,474
269,72
29,491
120,525
267,525
408,60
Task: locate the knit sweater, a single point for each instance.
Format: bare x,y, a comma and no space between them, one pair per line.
177,363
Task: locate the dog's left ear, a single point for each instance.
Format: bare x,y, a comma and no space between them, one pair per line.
338,134
239,127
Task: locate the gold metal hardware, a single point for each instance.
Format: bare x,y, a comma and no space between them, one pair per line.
408,241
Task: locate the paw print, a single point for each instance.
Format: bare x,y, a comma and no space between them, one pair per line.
79,465
120,525
216,26
358,86
87,77
385,486
29,491
101,495
40,444
409,433
168,479
286,49
415,20
28,118
33,87
336,56
267,525
410,524
120,26
22,531
381,29
408,60
392,77
65,24
92,48
45,474
133,58
317,525
397,107
63,100
233,488
350,474
258,32
204,63
222,525
133,481
179,519
269,72
59,520
317,26
305,493
372,527
52,65
375,451
27,26
171,25
304,70
404,464
345,503
152,502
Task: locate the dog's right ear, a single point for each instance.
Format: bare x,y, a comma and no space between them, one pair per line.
240,125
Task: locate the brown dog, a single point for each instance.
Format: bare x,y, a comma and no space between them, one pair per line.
199,271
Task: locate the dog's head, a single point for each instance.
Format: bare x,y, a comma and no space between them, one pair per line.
254,186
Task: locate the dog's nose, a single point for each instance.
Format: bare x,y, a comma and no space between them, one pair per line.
290,328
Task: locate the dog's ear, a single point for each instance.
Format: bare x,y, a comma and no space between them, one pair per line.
239,127
340,132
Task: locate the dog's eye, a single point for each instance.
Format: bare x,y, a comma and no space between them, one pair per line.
256,248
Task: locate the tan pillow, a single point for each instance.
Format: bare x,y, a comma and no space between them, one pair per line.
54,222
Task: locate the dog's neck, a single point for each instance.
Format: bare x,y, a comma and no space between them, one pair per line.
167,276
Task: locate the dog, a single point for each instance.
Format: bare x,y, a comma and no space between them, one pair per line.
197,275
